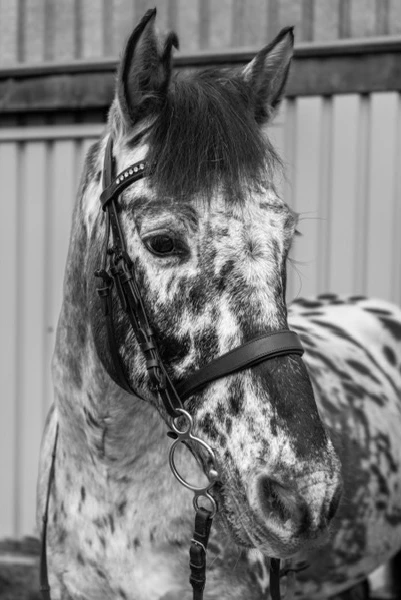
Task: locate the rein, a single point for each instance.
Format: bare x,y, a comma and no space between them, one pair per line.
117,272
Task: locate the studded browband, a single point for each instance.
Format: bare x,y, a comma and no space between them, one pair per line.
124,179
122,276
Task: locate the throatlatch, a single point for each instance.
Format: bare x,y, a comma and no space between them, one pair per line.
117,273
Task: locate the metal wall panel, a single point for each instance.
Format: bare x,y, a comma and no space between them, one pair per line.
381,260
343,220
38,30
40,171
9,327
341,156
305,194
32,295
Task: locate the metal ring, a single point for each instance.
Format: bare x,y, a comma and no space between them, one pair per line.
190,423
199,544
177,475
182,436
210,498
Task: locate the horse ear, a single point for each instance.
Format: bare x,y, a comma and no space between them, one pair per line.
267,74
144,72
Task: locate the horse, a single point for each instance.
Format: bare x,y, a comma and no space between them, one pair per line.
299,453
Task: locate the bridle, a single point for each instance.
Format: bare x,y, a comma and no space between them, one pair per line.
117,272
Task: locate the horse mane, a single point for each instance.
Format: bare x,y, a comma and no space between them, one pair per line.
206,135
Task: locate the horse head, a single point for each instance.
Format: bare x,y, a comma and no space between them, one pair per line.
209,238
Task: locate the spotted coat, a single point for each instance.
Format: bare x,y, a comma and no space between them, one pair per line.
352,349
119,523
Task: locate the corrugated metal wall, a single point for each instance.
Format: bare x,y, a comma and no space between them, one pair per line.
39,174
37,30
342,156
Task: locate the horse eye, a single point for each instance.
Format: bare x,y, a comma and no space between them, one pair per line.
161,245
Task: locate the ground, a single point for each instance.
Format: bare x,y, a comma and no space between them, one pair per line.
19,578
19,575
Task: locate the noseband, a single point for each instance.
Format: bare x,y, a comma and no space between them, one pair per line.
117,272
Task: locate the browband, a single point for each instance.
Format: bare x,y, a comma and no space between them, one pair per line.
257,350
122,181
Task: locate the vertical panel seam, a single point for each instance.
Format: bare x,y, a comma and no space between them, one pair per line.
78,163
272,19
237,25
172,14
382,17
396,267
204,23
77,29
307,20
290,142
21,31
49,30
47,265
107,22
344,19
325,192
362,193
19,251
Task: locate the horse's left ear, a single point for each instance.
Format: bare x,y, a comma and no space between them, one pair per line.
267,74
145,70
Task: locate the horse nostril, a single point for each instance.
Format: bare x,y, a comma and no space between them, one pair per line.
277,500
335,501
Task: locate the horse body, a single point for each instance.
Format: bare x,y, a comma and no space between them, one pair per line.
352,353
209,239
121,537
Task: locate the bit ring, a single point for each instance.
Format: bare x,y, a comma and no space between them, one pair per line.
184,435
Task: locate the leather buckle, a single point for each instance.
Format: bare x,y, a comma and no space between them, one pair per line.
116,273
156,375
104,291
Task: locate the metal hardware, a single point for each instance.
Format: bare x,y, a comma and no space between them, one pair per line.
198,544
213,475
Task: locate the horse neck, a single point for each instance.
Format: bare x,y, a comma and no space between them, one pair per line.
97,418
111,444
115,447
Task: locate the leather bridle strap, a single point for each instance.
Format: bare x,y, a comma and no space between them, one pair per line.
275,578
257,350
197,552
113,188
123,278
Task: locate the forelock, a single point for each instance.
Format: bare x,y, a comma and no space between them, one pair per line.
205,137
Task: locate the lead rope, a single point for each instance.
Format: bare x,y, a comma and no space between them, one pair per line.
275,579
203,516
197,552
